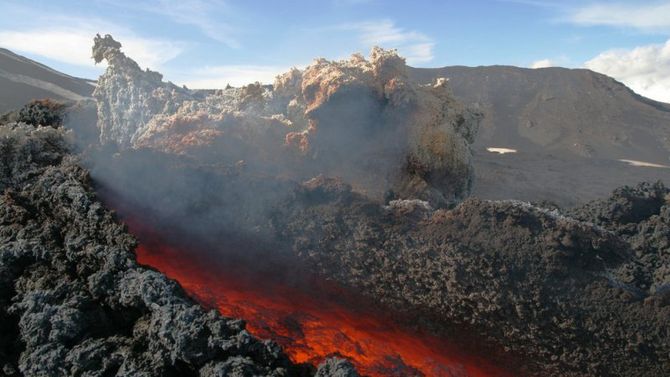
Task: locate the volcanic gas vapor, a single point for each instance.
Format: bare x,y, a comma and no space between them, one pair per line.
361,120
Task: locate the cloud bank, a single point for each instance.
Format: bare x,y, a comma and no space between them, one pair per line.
644,69
654,16
217,77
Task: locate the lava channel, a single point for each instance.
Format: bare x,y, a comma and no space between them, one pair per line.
310,324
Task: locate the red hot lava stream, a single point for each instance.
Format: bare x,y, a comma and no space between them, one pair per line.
309,327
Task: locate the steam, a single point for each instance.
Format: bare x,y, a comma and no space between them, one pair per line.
215,166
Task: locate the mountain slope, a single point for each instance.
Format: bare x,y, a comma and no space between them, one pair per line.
22,80
568,112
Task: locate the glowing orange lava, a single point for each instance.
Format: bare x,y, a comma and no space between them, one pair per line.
308,326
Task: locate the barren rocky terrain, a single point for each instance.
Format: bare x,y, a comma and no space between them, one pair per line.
577,291
569,128
23,80
559,111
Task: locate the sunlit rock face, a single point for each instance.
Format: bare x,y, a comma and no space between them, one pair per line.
127,96
359,119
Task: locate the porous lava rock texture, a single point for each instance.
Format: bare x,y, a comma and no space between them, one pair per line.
73,301
579,293
361,119
570,292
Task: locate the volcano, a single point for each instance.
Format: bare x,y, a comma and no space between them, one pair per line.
330,212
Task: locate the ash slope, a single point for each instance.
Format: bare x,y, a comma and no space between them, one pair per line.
566,112
23,80
570,126
74,302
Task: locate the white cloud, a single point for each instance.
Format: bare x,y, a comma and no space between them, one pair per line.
416,47
68,39
217,77
73,46
204,15
654,16
645,69
544,63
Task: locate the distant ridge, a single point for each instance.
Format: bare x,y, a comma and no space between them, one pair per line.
22,80
573,112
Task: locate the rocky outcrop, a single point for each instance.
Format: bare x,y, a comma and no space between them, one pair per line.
74,302
641,216
573,297
335,367
360,119
127,96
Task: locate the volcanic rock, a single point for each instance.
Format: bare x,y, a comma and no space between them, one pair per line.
565,290
575,298
130,97
73,300
641,216
362,120
336,367
23,80
577,292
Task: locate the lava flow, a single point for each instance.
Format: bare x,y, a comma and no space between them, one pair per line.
310,324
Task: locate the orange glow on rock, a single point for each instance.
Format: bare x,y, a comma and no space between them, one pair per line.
311,327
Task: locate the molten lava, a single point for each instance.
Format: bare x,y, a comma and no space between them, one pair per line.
310,324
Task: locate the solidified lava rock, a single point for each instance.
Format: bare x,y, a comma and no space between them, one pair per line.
571,292
573,297
641,216
74,302
336,367
361,119
577,292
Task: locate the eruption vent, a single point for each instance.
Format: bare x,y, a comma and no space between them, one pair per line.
310,323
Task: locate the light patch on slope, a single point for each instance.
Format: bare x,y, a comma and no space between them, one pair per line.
501,150
644,164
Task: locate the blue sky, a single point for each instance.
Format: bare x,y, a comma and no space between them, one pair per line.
211,43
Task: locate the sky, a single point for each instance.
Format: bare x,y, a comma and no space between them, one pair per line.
208,44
